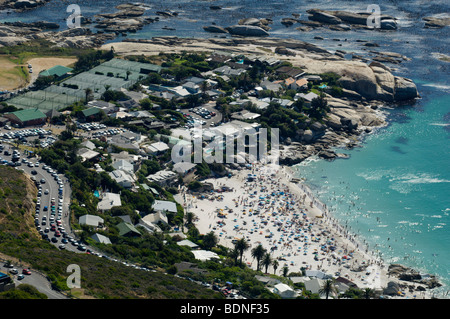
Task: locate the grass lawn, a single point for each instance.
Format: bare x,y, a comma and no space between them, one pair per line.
12,75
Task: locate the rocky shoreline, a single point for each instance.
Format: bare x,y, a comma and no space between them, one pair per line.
22,5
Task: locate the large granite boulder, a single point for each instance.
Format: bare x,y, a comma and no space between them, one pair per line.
388,24
21,4
323,17
215,29
392,289
349,123
435,22
247,30
405,89
337,17
249,21
308,136
10,41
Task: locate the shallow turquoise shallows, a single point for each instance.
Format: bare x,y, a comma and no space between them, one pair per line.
395,191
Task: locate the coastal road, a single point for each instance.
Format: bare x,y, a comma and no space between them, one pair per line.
36,279
52,187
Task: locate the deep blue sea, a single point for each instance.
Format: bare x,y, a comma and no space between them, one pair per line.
394,191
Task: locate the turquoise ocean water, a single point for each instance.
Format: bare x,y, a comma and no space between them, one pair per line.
394,192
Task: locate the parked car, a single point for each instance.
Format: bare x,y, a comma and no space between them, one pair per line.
14,271
26,271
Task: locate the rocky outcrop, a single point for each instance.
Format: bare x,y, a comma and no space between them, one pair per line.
407,274
8,41
215,29
404,89
343,20
375,82
323,17
167,14
11,35
284,51
436,22
21,5
392,289
38,24
289,21
262,23
247,31
127,19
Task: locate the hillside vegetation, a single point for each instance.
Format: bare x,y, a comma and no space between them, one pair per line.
100,278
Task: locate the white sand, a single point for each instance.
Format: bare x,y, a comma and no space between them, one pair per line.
297,226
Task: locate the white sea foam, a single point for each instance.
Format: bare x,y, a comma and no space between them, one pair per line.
438,86
440,124
425,180
404,183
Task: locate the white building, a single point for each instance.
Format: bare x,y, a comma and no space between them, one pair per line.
101,239
108,201
204,255
122,178
124,166
164,206
155,218
163,178
87,154
284,291
187,243
157,148
91,220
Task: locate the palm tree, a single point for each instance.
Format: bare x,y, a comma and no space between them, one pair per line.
210,240
88,92
204,87
258,253
241,245
189,218
275,266
234,253
285,270
327,288
368,293
266,261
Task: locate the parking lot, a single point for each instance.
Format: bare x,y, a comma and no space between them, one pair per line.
205,115
97,130
28,136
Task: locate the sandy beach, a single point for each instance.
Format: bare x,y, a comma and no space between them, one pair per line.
287,221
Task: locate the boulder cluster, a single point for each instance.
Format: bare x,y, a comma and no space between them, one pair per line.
251,27
22,5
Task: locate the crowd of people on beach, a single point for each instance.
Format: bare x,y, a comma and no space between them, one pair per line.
273,209
265,208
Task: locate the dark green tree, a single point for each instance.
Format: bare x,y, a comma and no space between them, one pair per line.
258,253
